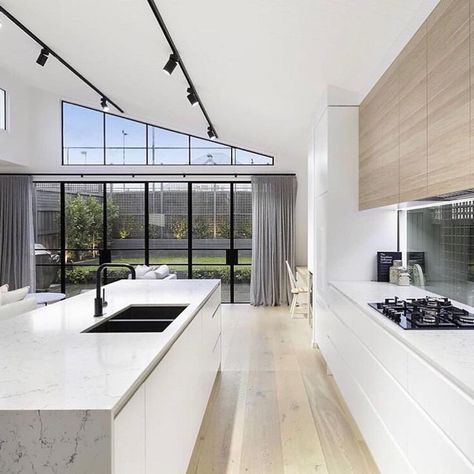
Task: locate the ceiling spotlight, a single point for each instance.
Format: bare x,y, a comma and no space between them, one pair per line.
104,105
171,64
43,57
192,97
211,133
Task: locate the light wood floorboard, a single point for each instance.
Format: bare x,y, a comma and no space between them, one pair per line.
273,408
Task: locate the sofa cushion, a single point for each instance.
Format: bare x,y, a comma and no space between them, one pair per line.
162,272
14,296
19,307
141,270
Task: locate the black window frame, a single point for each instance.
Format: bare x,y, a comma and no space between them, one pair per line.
105,252
147,148
4,111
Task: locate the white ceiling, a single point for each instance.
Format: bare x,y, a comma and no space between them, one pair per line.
259,66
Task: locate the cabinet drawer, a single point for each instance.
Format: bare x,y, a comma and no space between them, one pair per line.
386,349
434,390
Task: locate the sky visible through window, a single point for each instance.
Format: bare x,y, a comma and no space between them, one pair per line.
92,137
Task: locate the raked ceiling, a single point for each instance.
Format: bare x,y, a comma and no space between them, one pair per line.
260,66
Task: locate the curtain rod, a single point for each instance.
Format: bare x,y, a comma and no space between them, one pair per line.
133,175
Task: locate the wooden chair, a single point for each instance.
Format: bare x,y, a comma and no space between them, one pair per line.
295,291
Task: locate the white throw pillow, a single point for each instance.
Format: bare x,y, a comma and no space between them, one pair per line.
141,270
149,276
15,295
4,288
19,307
162,272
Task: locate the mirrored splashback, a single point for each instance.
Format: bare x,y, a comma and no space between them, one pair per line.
440,248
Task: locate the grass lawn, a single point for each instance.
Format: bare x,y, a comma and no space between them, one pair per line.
210,260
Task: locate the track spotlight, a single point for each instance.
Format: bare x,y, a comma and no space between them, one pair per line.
104,105
171,64
43,57
192,97
211,133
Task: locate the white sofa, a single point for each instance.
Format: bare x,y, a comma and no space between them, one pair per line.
160,272
13,303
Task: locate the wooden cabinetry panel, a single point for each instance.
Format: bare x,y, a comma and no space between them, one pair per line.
390,144
379,144
448,94
422,110
413,118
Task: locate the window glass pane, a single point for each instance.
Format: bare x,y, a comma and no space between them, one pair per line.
243,157
167,148
48,277
207,152
47,215
217,272
3,109
242,283
209,257
84,220
126,215
243,215
167,257
211,215
79,279
125,141
83,135
168,208
133,257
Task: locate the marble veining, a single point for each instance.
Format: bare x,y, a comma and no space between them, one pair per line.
47,363
48,442
450,352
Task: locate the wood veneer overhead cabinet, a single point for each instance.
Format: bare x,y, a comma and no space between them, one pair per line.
416,123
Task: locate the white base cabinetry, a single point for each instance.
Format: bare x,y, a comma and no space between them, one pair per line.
155,432
412,417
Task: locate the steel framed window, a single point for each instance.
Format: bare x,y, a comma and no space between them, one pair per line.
141,143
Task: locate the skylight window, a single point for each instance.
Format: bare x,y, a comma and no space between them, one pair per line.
93,137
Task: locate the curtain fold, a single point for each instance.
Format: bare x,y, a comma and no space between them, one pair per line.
273,238
17,265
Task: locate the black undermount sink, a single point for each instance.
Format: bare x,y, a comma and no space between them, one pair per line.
139,318
149,312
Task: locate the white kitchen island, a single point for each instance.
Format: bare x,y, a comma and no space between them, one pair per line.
102,403
411,392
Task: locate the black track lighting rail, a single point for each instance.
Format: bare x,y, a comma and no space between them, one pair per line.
178,58
58,57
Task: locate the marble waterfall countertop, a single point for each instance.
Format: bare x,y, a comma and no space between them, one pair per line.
449,351
47,363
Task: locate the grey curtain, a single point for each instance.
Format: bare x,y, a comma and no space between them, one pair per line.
17,265
273,208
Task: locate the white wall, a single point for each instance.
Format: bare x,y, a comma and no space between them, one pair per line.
345,241
34,143
15,140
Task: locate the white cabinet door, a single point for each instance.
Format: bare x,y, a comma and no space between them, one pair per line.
129,436
174,404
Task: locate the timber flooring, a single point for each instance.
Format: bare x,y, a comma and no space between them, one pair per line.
273,408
